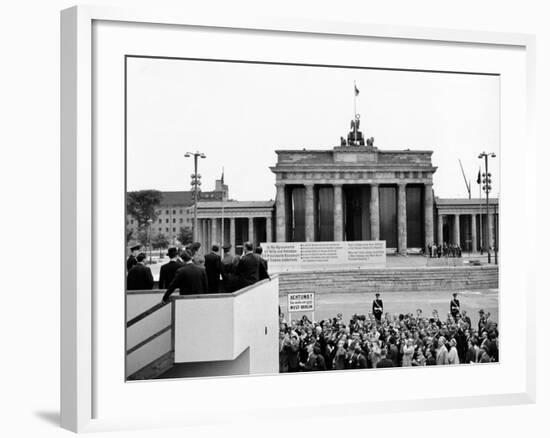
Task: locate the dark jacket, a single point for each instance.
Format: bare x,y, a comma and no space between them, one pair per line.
214,268
131,262
168,272
264,273
250,269
385,363
139,278
190,279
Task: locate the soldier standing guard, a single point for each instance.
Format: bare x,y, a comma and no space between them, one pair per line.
377,308
455,306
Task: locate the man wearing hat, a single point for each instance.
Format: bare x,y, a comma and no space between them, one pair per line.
131,262
168,270
140,276
455,306
377,307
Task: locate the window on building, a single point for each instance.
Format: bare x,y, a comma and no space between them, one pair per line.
181,210
167,211
173,211
167,229
181,220
174,230
174,220
167,220
131,221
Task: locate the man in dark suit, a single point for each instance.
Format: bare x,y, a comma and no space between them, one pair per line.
455,307
190,279
132,261
264,272
377,308
140,276
214,269
168,270
249,269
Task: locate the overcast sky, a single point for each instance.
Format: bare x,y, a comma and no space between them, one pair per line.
238,114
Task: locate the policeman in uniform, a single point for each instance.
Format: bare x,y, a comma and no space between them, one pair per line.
455,306
377,308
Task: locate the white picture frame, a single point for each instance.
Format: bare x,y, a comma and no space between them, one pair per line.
82,382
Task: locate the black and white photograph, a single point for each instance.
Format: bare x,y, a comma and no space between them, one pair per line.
289,218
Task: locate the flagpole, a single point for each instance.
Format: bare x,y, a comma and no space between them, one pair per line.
355,109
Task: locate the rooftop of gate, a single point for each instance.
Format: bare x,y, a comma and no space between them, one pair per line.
346,155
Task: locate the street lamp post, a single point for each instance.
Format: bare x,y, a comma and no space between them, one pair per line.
487,188
195,183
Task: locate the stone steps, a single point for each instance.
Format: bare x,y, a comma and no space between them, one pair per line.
391,279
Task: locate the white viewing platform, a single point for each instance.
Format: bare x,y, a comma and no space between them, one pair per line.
203,335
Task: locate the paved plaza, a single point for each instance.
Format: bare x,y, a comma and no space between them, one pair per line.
328,305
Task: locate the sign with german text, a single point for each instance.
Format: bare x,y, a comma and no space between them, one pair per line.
301,302
307,256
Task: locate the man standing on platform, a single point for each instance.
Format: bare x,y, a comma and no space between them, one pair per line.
264,272
168,270
140,276
214,269
132,261
377,308
249,269
455,307
190,279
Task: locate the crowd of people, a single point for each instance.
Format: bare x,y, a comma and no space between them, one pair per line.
192,272
444,250
381,340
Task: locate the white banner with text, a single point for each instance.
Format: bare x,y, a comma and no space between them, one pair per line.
307,256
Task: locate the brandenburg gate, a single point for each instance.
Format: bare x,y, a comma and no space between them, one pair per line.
355,192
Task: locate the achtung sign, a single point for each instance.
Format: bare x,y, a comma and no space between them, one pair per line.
301,302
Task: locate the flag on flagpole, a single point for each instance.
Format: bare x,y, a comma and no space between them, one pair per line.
479,176
222,175
356,90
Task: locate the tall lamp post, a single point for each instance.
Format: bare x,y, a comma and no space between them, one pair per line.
149,223
195,183
487,188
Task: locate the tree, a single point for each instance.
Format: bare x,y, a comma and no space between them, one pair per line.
185,235
159,241
141,205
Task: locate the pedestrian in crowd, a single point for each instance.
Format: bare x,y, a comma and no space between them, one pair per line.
384,361
439,251
357,360
140,276
453,353
214,269
408,352
249,268
442,354
315,361
377,307
132,261
190,279
263,272
455,306
168,270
